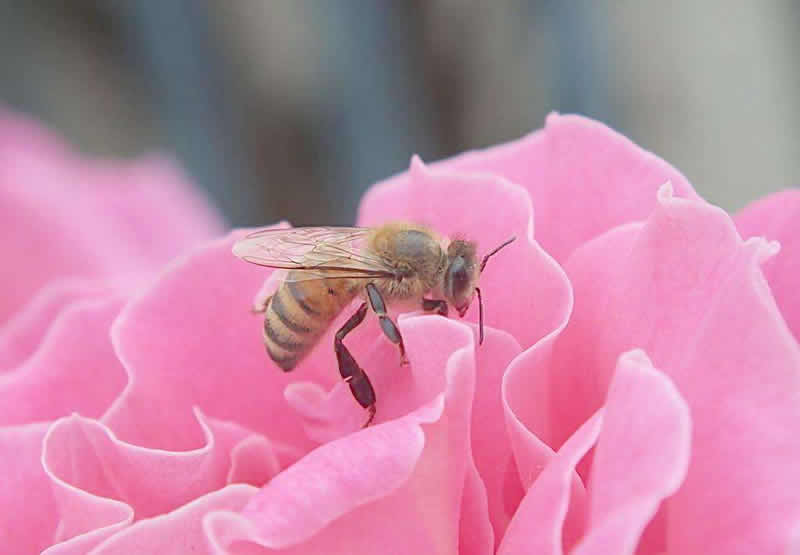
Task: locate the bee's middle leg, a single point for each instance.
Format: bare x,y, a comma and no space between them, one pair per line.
351,372
390,329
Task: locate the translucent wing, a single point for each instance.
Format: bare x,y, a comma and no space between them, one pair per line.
314,252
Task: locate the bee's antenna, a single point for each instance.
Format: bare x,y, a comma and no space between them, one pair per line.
480,316
486,258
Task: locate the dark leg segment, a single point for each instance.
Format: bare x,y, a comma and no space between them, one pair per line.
351,372
429,305
389,328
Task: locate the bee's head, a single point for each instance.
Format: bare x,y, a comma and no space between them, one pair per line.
462,274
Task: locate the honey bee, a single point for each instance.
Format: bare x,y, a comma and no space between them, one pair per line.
329,267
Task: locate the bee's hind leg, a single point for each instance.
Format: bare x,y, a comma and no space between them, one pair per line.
390,329
351,372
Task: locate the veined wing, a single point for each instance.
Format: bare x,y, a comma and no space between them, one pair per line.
314,252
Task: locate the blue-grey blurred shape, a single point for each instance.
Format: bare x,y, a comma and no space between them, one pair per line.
172,38
380,113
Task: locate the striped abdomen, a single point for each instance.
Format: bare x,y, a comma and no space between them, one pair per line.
299,313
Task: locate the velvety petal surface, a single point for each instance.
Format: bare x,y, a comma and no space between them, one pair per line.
66,215
537,525
101,484
491,449
27,506
191,340
21,335
685,288
642,451
177,532
641,458
777,217
396,487
73,370
582,177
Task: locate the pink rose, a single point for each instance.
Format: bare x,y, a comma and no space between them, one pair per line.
637,390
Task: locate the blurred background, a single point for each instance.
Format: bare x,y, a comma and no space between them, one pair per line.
290,109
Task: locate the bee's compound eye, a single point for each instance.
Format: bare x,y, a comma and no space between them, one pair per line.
457,279
460,280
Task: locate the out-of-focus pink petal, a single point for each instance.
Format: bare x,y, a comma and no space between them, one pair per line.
100,482
74,369
777,217
537,526
521,285
686,289
28,515
641,458
21,335
583,177
396,487
178,532
191,340
65,215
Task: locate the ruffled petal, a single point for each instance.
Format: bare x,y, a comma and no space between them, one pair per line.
538,524
28,515
22,334
65,215
395,487
74,369
582,177
641,458
777,217
191,340
101,483
490,446
177,532
685,288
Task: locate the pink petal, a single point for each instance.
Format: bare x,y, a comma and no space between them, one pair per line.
641,457
537,525
362,493
347,473
74,369
191,340
686,289
178,532
583,179
492,453
777,217
524,307
525,394
101,482
21,335
133,216
27,507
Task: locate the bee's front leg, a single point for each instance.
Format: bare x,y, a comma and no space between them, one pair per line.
353,374
390,329
430,305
